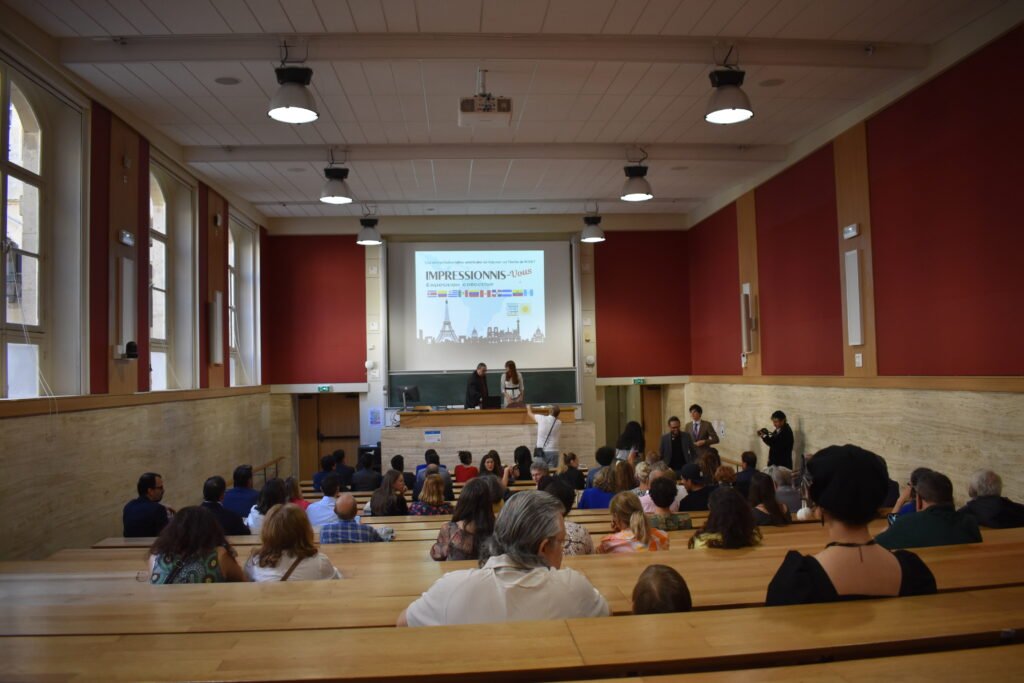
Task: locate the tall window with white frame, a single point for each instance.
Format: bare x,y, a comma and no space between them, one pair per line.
159,287
233,308
23,330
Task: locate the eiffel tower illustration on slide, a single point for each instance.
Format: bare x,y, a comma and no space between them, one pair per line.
447,334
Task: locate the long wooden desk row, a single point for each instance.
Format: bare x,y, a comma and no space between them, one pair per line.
371,597
553,650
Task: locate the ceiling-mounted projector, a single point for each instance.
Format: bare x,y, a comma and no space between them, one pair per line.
484,109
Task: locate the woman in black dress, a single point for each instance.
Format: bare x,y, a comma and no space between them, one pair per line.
848,485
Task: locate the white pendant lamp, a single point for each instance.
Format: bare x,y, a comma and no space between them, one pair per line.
293,102
636,189
592,232
728,103
335,189
368,236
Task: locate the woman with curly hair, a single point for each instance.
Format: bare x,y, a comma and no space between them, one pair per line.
730,523
192,549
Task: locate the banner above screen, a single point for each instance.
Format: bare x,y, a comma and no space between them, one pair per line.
451,306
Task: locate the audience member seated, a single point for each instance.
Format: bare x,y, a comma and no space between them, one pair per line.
490,464
936,521
430,455
465,470
520,576
848,486
389,498
613,479
642,472
709,464
241,496
213,496
286,551
653,457
523,458
344,471
697,493
987,504
661,470
366,478
471,524
748,465
730,523
725,475
569,471
398,465
327,464
662,494
577,538
431,501
603,456
192,549
346,528
767,510
434,465
144,516
632,532
291,487
322,511
661,590
538,469
273,493
785,492
907,502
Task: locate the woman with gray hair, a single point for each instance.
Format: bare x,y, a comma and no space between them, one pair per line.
520,576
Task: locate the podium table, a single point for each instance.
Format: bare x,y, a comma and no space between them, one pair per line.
419,419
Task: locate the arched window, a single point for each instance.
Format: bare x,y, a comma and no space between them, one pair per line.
23,317
159,282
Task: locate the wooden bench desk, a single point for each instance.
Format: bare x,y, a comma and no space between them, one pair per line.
717,580
719,640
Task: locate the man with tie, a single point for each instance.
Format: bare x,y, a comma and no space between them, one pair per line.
702,432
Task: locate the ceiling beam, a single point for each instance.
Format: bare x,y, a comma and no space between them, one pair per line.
609,152
482,47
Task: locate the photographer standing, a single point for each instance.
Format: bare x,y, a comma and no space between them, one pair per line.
780,441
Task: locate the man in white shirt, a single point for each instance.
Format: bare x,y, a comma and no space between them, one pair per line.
520,578
549,428
322,511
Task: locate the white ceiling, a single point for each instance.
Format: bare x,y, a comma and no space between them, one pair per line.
395,91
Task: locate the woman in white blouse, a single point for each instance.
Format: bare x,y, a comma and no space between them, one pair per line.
513,392
287,552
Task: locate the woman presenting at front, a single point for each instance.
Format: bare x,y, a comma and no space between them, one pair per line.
512,389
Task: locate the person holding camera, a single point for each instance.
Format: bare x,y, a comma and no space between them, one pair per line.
780,441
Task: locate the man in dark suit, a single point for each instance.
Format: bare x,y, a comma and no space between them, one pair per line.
213,497
780,441
345,472
145,516
987,504
242,496
676,446
398,465
366,478
703,433
476,387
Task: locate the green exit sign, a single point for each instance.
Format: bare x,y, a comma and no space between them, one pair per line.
324,388
639,380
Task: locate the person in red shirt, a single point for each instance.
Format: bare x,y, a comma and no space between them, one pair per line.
466,470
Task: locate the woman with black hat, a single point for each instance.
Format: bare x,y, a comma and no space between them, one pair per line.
848,485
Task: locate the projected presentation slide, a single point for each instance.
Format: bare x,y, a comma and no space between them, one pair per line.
451,306
479,297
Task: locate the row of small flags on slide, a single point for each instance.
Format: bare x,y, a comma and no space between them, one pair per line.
477,293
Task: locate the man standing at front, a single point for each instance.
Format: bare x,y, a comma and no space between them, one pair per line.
703,433
549,428
476,387
677,446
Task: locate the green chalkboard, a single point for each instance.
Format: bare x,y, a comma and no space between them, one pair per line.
449,388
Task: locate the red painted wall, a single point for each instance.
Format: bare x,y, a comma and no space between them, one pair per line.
641,297
798,270
314,310
948,238
713,256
